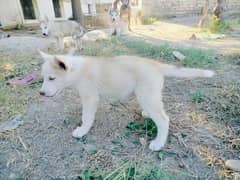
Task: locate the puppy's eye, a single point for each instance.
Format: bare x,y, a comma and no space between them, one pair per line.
51,78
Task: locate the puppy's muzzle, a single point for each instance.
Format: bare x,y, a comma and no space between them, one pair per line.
42,93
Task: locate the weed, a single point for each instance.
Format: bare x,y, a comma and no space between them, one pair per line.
197,97
83,139
215,25
123,45
194,57
117,142
161,155
148,127
150,20
198,58
130,170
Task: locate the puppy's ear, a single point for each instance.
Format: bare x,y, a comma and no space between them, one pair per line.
45,56
60,63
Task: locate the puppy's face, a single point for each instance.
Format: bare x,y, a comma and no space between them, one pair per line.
44,28
55,75
113,14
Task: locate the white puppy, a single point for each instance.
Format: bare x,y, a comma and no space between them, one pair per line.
60,29
113,78
119,25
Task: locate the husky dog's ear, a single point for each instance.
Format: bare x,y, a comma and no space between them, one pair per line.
45,56
60,63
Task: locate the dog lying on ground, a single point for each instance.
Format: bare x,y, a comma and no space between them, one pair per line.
114,78
60,29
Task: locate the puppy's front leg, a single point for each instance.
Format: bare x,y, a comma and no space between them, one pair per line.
89,104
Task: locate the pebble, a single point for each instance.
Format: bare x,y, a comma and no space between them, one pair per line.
179,55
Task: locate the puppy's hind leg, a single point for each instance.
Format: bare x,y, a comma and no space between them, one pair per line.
153,106
60,43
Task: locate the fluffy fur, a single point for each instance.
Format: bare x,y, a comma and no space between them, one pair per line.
114,78
60,29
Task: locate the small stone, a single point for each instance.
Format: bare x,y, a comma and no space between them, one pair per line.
179,55
34,63
233,164
181,165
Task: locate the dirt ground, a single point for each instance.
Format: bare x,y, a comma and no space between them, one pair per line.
198,145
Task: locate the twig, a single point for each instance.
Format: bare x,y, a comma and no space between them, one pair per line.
23,144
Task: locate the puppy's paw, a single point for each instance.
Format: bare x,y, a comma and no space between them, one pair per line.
78,132
155,145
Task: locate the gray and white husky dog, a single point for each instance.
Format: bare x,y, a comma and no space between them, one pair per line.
58,29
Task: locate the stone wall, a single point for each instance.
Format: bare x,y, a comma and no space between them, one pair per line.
168,8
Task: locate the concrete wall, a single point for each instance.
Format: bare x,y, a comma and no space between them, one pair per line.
161,8
11,13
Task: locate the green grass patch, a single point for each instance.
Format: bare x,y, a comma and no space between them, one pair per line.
150,20
197,97
194,57
123,45
132,170
215,25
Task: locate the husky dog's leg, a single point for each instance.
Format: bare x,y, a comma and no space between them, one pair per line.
89,104
153,106
60,42
79,43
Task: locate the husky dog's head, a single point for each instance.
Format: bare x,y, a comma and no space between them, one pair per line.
55,72
44,25
113,13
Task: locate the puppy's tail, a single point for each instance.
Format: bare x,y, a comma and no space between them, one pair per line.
173,71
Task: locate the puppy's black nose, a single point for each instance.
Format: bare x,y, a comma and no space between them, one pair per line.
44,34
113,20
8,35
42,93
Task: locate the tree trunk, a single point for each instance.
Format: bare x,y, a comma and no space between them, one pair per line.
77,11
204,14
218,10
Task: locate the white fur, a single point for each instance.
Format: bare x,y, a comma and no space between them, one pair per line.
119,25
60,29
114,78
